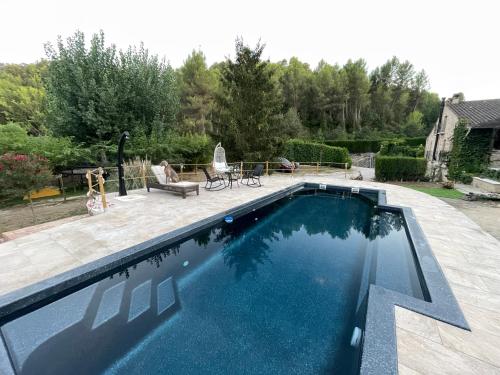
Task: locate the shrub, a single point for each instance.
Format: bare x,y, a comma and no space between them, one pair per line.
192,149
302,151
358,146
399,168
470,152
493,174
400,148
59,152
20,174
415,141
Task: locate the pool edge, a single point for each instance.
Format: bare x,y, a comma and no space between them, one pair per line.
379,352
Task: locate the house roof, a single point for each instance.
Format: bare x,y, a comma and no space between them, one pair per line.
480,113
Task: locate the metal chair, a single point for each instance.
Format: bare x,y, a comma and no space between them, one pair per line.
211,180
254,176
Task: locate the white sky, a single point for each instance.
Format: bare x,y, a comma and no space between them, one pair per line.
456,42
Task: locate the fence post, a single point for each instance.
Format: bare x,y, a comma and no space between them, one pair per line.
89,181
61,184
143,172
317,167
100,180
182,170
241,169
267,167
293,167
345,166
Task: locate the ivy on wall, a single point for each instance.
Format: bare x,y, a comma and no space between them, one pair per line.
470,152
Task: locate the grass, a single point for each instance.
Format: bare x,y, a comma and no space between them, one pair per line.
438,192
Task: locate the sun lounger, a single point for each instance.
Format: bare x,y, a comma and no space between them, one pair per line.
182,187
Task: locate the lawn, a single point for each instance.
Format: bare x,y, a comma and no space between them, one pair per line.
438,191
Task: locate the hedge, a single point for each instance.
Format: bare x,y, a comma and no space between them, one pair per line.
302,151
416,141
399,168
358,146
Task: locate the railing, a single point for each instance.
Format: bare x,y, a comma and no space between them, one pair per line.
138,172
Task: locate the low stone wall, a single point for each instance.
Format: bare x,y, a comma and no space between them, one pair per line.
486,184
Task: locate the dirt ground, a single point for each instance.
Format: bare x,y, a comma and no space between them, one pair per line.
485,213
20,216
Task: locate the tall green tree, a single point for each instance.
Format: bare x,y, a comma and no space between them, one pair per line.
197,89
358,86
95,93
22,95
249,106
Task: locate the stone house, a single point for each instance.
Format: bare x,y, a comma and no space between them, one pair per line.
479,114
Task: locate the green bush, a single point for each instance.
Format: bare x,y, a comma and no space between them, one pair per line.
302,151
358,146
399,168
20,174
493,174
470,152
60,152
190,149
399,147
416,141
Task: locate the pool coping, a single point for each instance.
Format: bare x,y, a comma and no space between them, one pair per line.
379,354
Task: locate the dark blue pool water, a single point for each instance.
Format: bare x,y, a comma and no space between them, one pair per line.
278,291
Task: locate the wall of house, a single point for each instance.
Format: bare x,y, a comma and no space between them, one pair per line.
445,140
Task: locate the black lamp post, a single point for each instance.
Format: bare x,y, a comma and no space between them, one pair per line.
121,176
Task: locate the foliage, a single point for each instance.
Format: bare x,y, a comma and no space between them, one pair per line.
192,149
358,146
249,106
438,191
414,125
302,151
197,86
22,95
21,174
470,152
493,174
399,168
400,148
60,152
95,93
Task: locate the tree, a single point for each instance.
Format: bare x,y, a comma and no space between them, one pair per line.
21,174
249,106
197,88
358,87
414,125
95,93
22,95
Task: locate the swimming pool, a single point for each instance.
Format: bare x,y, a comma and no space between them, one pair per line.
282,285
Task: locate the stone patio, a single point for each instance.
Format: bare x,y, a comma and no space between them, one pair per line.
470,258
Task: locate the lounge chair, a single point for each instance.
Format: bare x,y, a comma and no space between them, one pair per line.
181,187
254,176
221,184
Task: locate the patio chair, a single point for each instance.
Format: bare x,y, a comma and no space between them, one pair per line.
220,163
254,176
221,184
181,187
